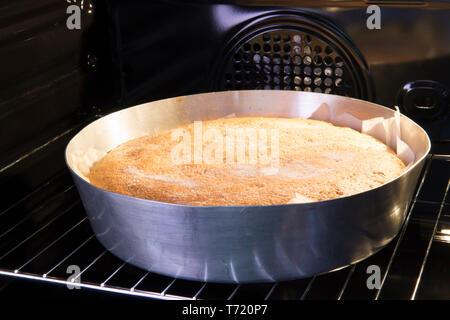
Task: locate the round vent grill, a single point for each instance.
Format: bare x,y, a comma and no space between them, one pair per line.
291,59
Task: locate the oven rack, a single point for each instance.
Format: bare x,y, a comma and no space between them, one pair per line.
45,236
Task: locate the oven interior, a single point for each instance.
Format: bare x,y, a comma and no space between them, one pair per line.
55,81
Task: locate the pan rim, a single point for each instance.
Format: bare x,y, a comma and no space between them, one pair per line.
231,207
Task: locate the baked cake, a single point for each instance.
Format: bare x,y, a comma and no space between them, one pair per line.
247,161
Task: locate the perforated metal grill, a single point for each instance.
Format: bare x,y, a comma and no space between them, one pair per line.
289,60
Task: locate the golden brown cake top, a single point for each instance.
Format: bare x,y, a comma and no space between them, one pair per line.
247,161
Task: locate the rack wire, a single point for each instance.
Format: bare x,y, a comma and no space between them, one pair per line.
42,241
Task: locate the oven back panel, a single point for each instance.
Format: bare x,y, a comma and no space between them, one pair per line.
170,48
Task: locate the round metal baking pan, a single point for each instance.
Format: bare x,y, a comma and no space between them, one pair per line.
242,243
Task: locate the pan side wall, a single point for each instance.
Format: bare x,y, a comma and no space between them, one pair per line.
248,244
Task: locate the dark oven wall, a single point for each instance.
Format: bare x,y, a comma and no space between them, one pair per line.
170,48
51,78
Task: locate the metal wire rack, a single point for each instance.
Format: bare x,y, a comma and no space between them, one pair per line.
45,236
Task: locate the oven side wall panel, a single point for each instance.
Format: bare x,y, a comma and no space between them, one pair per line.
47,88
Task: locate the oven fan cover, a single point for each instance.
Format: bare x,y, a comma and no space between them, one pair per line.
293,52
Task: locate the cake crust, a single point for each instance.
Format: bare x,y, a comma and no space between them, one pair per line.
310,160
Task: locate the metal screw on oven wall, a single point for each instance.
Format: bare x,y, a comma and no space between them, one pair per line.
82,5
374,280
92,60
